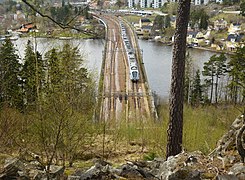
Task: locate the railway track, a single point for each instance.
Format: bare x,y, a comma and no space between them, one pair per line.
122,97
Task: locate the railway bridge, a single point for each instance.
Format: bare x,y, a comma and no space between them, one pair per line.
121,96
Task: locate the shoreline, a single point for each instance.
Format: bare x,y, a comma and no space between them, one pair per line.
157,41
195,47
213,50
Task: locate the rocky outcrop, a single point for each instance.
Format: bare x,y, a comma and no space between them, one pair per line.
105,171
184,166
17,169
228,141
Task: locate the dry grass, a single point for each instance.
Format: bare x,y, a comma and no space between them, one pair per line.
203,127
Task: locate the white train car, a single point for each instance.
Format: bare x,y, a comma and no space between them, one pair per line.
133,67
134,72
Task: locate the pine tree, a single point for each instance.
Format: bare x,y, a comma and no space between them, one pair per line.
236,71
196,93
214,69
68,104
204,21
199,17
209,71
167,21
10,86
188,78
220,67
54,77
242,8
175,126
159,23
32,75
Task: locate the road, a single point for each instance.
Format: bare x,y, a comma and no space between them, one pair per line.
122,99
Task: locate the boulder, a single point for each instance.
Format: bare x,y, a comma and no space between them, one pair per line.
228,140
36,174
73,178
238,170
97,172
12,167
182,166
57,171
185,174
132,172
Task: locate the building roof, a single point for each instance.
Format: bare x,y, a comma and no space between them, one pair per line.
221,21
145,20
146,27
25,28
234,36
193,33
173,18
236,24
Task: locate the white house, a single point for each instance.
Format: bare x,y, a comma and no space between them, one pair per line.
220,24
234,28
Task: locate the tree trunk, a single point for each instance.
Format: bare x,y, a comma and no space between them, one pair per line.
175,128
216,89
212,87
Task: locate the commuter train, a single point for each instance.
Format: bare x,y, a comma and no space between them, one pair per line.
133,67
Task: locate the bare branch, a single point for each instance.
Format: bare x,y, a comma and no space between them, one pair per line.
63,26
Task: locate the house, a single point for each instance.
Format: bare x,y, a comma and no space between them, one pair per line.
234,28
146,29
137,29
145,26
145,22
25,28
194,37
80,20
217,46
234,41
207,34
173,21
220,24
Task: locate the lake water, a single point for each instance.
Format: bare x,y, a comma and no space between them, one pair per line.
91,50
156,56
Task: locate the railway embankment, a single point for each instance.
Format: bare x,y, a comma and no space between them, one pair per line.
100,87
